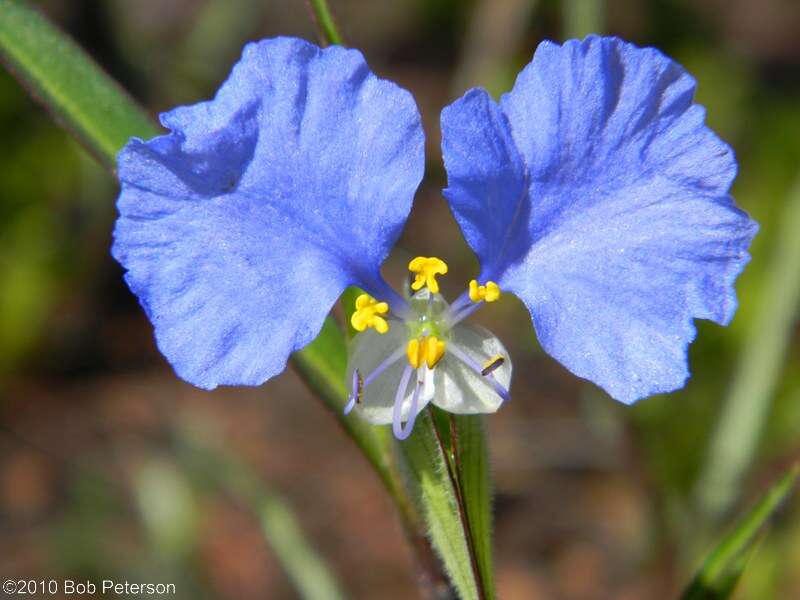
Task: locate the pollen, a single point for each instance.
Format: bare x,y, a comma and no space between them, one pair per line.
425,350
368,311
486,293
426,269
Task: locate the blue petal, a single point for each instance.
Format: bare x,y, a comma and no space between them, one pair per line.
625,232
487,184
241,227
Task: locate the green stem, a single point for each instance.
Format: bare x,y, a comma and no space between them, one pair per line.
324,18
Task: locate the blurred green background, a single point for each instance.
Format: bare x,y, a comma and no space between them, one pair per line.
110,466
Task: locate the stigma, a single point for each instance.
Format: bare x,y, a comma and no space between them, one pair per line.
425,350
367,314
426,269
486,293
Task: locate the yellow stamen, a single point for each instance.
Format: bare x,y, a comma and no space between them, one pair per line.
413,353
426,270
488,293
425,350
366,315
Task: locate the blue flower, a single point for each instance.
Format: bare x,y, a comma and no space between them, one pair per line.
592,191
241,228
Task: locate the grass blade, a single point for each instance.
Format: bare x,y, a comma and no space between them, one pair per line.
723,567
307,570
310,575
763,357
61,76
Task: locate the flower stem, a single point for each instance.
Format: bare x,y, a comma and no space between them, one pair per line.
325,22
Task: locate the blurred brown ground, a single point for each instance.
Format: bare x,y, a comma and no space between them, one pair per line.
581,500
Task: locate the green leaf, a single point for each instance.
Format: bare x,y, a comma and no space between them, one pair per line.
472,463
430,469
723,567
79,95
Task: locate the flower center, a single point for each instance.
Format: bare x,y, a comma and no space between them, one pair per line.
471,368
430,329
430,313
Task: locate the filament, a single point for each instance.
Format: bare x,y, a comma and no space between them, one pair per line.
401,432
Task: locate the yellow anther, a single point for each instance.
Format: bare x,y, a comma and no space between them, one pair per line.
413,353
367,314
488,293
426,270
493,364
425,350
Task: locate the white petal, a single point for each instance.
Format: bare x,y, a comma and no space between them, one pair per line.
459,389
369,350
